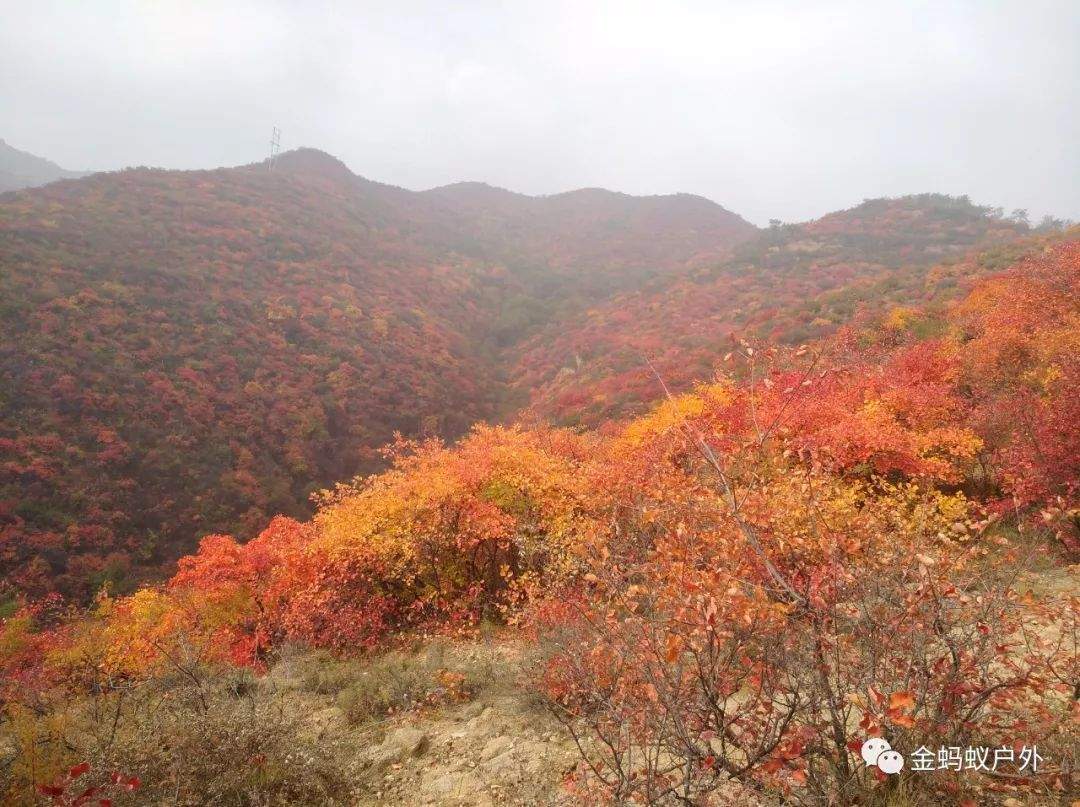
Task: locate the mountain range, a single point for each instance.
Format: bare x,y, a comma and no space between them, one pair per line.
189,352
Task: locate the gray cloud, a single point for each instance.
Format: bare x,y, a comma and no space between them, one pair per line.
773,109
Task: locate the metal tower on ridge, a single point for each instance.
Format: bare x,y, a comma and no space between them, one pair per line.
275,147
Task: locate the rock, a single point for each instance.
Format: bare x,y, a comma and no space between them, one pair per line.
458,785
411,742
533,755
471,710
401,744
445,784
495,747
504,762
487,722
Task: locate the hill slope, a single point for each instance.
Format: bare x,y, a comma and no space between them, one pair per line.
191,352
880,514
194,352
789,284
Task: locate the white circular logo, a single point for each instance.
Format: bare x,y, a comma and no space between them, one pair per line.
890,762
873,748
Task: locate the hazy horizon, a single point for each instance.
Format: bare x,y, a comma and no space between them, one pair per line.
779,110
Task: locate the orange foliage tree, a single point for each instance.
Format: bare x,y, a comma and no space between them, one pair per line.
1020,354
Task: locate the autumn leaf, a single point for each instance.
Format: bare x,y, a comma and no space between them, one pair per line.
673,648
901,700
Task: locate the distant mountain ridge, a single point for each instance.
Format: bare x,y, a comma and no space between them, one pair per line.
21,169
630,232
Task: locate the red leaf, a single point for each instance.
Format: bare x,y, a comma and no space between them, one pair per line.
79,770
83,797
772,765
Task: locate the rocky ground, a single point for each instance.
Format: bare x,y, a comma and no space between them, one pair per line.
490,743
500,746
485,753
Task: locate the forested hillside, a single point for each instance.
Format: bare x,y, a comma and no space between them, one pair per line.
195,352
189,352
721,600
790,284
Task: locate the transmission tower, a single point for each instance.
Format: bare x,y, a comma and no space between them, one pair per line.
275,147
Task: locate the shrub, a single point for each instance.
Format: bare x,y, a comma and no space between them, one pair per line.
193,740
757,613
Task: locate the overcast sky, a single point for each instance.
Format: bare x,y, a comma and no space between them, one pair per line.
783,109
